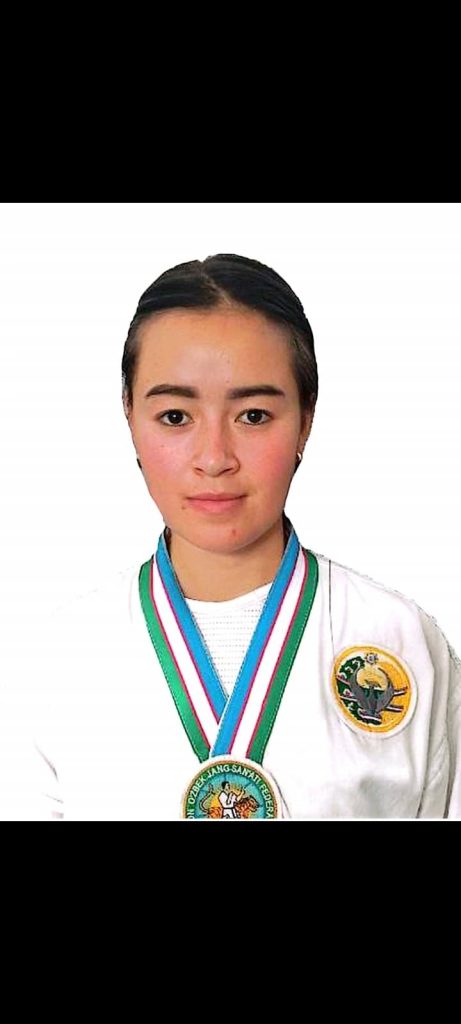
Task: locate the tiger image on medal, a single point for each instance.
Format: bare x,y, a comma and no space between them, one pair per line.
228,789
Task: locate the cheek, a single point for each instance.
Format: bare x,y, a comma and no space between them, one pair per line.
276,465
161,460
165,466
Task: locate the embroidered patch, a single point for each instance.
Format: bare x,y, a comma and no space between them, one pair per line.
230,789
374,689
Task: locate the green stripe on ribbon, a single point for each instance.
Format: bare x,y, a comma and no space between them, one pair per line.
266,724
169,669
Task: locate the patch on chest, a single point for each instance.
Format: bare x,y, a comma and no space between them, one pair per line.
374,689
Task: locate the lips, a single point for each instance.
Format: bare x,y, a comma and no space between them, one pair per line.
217,505
211,496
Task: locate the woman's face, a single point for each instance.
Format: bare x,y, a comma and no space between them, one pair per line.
212,442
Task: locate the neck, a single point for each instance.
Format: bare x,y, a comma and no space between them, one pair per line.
214,576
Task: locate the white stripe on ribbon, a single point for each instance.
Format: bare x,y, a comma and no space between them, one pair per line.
184,660
269,659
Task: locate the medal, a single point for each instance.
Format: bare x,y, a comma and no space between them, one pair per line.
231,790
217,725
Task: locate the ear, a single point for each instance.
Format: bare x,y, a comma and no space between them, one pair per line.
307,420
126,408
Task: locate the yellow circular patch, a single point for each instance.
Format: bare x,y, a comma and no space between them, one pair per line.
374,689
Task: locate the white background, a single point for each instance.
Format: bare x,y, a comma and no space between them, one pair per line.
379,488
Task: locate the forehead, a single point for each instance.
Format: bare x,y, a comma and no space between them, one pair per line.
234,341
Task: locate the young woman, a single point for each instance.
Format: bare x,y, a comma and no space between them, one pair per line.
237,675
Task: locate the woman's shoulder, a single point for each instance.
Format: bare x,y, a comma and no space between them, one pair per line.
108,590
354,583
93,623
342,574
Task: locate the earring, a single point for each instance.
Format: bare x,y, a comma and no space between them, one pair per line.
299,457
139,464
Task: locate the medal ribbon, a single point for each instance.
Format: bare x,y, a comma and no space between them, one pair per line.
239,724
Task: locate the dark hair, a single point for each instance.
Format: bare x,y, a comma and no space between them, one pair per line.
228,280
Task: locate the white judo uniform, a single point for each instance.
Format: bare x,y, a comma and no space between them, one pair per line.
94,734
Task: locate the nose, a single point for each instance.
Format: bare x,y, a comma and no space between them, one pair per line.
215,450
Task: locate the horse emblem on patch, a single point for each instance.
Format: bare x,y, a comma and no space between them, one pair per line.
374,689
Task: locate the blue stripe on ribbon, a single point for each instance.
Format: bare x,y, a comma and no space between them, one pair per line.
267,618
216,693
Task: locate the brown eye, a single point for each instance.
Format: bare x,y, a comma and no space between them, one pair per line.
172,412
250,412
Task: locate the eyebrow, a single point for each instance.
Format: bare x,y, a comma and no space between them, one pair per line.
187,392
